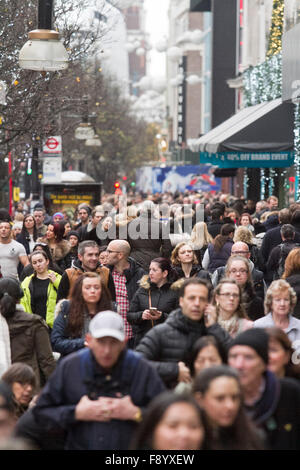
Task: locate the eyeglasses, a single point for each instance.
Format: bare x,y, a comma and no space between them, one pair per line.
229,294
241,271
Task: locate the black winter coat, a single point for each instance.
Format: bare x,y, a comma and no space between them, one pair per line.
294,281
278,413
150,240
167,344
273,238
164,298
214,227
196,271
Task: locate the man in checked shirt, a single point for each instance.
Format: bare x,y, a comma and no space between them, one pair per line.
126,273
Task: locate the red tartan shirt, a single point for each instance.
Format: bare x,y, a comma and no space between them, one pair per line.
122,299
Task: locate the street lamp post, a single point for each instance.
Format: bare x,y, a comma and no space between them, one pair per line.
44,51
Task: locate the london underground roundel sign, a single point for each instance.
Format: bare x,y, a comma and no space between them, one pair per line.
53,145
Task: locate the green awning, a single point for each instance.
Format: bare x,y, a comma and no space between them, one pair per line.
200,5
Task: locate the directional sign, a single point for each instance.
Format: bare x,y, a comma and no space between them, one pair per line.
52,170
53,146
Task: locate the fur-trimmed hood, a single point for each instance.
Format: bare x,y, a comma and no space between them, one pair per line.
146,284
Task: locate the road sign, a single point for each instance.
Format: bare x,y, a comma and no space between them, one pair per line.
52,170
53,145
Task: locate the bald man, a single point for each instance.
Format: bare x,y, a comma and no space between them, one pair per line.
242,249
126,273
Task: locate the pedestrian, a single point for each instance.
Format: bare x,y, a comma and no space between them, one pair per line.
207,351
283,359
218,392
84,212
219,250
273,404
168,345
73,239
29,234
89,296
172,422
29,334
276,261
279,305
59,247
245,220
242,249
154,299
126,274
11,252
185,262
21,379
200,239
147,238
228,301
40,288
292,275
106,386
239,269
28,270
39,217
87,261
216,223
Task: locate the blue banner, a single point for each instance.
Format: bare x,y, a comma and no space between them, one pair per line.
177,178
248,159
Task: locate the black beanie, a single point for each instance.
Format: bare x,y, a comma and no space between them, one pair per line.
74,233
255,338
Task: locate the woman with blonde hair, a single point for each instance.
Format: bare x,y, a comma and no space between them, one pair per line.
228,301
200,239
292,275
185,262
280,301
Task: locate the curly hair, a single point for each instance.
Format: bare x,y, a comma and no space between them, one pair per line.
279,286
78,306
174,256
243,234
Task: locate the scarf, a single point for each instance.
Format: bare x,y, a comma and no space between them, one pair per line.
5,354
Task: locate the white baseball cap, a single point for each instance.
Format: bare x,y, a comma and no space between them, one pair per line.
107,323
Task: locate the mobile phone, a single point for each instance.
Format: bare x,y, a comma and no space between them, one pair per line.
153,310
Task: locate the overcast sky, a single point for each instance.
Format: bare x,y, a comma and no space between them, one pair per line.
157,26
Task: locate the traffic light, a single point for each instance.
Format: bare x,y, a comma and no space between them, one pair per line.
117,185
29,169
132,184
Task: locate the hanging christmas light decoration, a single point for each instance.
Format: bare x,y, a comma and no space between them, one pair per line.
276,30
297,148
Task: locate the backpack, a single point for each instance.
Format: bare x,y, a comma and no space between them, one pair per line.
285,248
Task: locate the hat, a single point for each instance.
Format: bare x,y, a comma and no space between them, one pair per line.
74,233
58,214
85,207
107,323
255,338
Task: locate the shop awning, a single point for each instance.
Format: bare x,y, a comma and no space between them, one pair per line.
266,127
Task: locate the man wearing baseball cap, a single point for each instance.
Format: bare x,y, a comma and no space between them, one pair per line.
98,394
273,404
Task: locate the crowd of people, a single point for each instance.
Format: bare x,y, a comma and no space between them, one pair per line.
155,322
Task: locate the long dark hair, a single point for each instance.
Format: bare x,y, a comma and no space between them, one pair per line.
202,343
46,249
59,231
78,306
10,295
154,414
24,232
242,435
222,238
165,265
